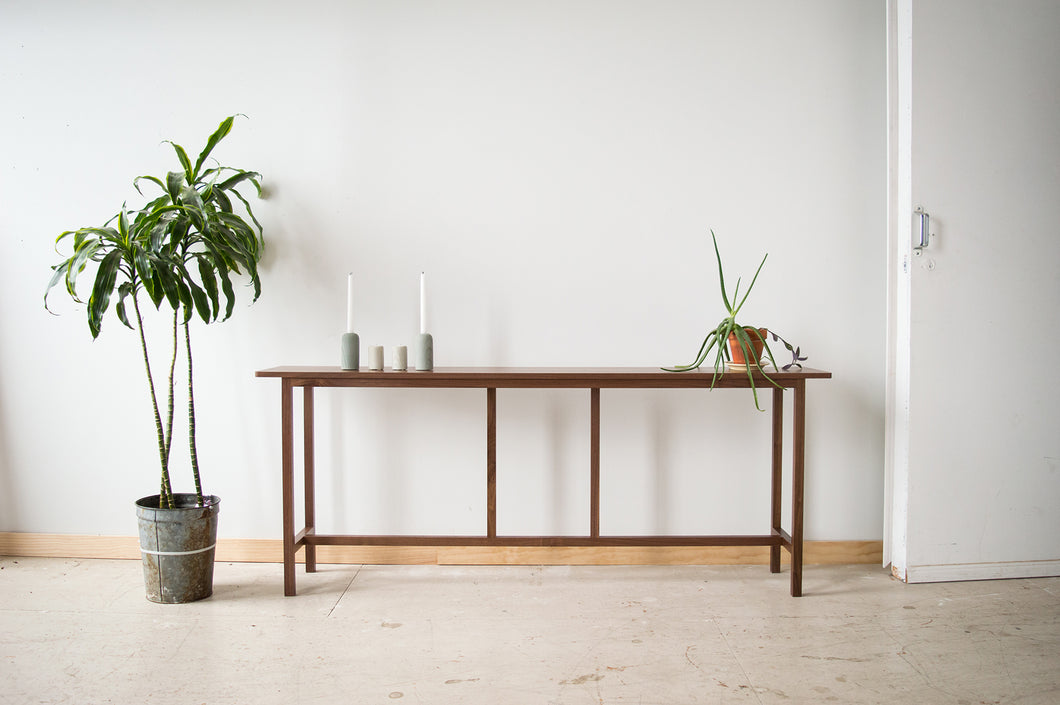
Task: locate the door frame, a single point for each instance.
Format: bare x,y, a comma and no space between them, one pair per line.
899,303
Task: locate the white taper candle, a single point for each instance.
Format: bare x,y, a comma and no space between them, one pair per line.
423,302
349,303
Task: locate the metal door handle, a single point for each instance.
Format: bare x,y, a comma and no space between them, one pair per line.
925,228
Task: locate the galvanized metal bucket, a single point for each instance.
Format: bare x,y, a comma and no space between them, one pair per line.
178,547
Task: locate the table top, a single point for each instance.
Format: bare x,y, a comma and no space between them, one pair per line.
536,377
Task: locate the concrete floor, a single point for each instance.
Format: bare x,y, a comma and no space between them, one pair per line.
82,632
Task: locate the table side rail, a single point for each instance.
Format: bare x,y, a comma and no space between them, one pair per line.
545,541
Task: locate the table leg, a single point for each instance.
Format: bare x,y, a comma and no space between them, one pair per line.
308,477
797,485
594,464
287,470
778,475
491,463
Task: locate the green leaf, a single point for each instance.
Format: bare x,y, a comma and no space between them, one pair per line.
154,209
721,274
719,363
193,298
202,301
153,179
141,264
63,235
123,224
193,207
77,263
238,178
224,246
102,290
761,264
167,281
219,134
156,237
58,272
184,293
723,339
255,281
223,202
743,340
209,282
769,354
179,228
155,289
250,212
230,294
184,161
174,184
123,291
245,234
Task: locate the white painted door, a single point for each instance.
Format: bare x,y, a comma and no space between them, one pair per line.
974,443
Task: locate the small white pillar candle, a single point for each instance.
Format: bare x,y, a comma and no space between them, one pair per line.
423,302
375,357
349,303
400,358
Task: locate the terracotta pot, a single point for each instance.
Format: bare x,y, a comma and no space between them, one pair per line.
758,340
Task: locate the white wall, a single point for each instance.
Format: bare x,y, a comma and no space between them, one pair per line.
555,167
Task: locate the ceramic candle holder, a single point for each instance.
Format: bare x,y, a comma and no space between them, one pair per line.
375,357
400,358
350,351
424,352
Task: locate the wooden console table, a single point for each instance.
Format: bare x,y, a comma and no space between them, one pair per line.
493,378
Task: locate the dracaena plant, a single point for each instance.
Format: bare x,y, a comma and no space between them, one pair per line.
745,336
178,253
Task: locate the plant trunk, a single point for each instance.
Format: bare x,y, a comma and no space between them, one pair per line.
191,417
166,489
172,391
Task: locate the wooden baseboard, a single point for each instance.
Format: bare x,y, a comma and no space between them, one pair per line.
271,551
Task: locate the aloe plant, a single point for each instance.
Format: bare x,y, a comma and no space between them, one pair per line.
181,250
719,336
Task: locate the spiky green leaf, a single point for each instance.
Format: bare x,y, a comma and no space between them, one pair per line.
184,161
746,293
219,134
721,274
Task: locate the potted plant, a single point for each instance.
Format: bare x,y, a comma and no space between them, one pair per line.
179,252
738,346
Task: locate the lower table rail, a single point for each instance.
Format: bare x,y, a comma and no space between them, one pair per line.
536,541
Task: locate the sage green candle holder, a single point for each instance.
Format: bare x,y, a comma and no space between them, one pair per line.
350,351
424,352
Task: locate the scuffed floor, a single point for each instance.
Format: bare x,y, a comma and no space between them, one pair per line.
82,632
